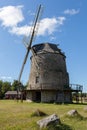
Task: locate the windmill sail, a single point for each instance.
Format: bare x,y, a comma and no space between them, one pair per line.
30,42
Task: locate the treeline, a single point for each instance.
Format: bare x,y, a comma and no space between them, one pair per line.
7,86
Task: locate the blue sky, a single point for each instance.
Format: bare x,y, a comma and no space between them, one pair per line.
62,22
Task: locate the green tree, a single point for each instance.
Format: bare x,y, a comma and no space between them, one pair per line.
15,85
6,86
25,86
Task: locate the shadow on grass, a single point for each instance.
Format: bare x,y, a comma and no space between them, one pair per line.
58,127
79,103
38,113
77,117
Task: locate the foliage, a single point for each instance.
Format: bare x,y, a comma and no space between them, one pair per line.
4,87
7,86
14,85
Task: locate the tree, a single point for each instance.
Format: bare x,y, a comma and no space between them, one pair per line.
15,85
25,86
6,86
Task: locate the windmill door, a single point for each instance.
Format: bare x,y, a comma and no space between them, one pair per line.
38,96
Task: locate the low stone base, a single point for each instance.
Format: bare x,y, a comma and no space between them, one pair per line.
50,120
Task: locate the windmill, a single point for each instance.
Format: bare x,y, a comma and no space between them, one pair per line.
49,79
29,44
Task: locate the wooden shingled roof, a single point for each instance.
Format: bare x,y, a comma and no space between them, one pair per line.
12,93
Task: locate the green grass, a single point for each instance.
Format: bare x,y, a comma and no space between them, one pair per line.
17,116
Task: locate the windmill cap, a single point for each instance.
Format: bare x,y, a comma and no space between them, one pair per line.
47,47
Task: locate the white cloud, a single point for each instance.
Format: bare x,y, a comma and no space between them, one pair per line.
46,26
11,15
24,30
49,25
71,11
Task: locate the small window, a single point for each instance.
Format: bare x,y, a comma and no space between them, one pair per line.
37,79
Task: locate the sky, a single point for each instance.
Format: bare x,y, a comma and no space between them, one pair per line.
62,22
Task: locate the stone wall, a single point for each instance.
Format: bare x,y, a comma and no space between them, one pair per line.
52,70
50,96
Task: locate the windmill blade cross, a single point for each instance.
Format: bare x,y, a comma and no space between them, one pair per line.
30,42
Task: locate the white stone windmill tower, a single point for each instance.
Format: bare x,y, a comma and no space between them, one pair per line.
48,80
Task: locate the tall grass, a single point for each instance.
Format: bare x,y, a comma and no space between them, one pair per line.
17,116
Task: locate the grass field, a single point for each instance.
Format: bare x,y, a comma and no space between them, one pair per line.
17,116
